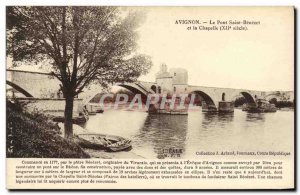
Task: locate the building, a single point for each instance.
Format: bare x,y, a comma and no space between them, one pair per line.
170,82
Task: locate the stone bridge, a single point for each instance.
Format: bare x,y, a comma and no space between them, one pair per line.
39,91
214,96
33,84
211,95
43,85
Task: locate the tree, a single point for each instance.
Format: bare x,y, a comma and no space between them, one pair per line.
82,45
273,101
240,101
126,92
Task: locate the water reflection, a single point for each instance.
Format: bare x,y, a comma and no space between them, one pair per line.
216,119
197,131
164,132
253,117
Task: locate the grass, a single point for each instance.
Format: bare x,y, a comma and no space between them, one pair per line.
33,135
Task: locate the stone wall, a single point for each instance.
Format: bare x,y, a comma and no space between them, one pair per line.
180,76
39,85
48,106
166,85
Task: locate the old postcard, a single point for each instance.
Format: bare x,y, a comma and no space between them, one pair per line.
103,97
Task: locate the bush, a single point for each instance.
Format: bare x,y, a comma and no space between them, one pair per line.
33,135
284,104
240,101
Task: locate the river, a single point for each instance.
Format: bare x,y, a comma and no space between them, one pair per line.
153,135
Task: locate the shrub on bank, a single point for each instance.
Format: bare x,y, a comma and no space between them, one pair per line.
285,104
33,135
240,101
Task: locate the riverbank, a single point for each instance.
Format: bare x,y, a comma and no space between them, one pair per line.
113,155
281,109
287,109
100,153
33,135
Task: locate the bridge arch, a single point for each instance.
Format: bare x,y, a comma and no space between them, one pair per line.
18,88
209,102
136,90
249,98
271,96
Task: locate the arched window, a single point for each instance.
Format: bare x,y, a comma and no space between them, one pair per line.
159,90
153,87
223,96
174,89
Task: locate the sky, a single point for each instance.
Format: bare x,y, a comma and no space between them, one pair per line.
259,59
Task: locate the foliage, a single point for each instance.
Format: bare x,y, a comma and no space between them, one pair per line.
33,135
82,45
283,104
273,101
239,101
97,97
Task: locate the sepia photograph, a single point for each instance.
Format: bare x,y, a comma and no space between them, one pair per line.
153,83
